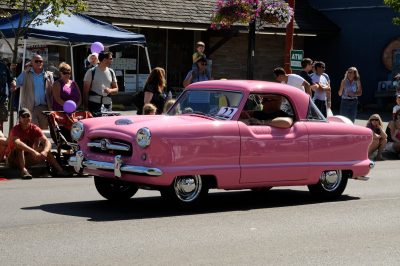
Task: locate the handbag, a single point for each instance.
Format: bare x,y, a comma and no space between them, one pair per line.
138,100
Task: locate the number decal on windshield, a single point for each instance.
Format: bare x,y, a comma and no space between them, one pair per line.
227,112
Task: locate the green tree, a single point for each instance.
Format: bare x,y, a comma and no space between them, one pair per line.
48,15
395,4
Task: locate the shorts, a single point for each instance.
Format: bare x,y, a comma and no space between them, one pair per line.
390,147
4,111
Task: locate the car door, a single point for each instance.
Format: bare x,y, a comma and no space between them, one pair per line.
270,154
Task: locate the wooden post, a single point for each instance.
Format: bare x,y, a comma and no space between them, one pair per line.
289,40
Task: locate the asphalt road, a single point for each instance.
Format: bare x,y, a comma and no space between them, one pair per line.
63,221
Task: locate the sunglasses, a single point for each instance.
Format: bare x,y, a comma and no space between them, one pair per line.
66,73
26,116
38,61
269,100
203,64
374,119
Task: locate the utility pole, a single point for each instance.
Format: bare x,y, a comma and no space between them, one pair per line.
289,40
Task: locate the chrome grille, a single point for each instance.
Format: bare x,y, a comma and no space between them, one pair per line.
110,146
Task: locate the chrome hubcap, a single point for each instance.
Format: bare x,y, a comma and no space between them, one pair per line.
187,188
330,180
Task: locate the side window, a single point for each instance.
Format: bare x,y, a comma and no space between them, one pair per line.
261,107
314,114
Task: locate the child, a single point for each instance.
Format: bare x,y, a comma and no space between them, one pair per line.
168,105
200,46
92,60
198,54
149,109
396,107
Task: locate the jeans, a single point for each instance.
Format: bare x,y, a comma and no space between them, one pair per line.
321,106
95,108
348,108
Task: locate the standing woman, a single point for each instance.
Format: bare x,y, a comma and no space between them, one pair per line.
65,89
350,89
154,89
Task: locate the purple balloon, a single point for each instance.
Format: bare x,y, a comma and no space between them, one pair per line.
69,106
97,47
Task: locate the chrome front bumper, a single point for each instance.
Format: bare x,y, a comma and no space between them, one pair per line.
78,162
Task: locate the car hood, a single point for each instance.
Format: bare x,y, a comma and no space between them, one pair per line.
130,124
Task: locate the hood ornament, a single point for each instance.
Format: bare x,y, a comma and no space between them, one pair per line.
123,121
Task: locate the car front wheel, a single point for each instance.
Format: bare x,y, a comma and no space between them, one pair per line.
331,185
114,190
186,190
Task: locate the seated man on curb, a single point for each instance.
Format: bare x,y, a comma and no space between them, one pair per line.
271,114
27,145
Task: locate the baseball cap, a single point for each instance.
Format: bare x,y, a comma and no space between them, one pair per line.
23,111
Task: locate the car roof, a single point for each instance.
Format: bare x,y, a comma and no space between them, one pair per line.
298,97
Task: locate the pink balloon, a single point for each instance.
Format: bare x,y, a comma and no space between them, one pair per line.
69,106
97,47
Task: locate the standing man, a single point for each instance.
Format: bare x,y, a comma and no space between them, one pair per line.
198,73
36,87
292,80
99,84
27,145
6,84
307,65
322,95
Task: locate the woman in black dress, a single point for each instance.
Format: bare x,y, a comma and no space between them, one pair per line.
154,89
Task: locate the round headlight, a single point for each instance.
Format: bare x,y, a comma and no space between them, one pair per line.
143,137
77,130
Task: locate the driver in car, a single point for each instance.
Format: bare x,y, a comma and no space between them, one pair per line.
271,114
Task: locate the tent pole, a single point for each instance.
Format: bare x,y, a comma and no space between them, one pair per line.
166,52
72,61
148,58
22,70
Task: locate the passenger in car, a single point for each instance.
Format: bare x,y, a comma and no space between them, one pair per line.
271,114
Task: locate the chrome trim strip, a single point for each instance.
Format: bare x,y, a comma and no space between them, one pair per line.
99,165
117,146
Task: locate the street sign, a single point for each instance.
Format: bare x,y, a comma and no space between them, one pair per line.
295,59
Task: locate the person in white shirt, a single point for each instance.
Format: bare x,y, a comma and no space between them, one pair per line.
292,80
322,93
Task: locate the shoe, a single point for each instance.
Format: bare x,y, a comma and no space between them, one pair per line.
63,173
25,175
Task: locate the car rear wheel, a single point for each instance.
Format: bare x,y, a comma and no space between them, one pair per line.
331,185
186,190
115,190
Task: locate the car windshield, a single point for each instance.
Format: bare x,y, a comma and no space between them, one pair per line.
219,104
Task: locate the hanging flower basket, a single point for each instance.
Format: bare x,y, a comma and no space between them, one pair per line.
269,19
276,12
228,12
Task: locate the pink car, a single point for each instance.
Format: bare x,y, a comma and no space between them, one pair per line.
224,134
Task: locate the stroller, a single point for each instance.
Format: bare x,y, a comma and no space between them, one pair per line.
60,124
